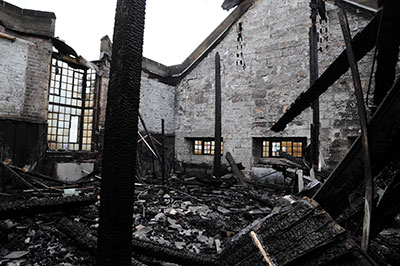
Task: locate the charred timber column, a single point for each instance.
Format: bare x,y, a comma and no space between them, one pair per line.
313,39
163,161
121,127
217,152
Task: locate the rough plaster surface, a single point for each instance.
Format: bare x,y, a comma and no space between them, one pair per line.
275,50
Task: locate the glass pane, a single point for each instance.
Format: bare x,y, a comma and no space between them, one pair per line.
73,132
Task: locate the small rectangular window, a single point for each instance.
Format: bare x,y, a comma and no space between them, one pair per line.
205,146
265,149
274,146
198,147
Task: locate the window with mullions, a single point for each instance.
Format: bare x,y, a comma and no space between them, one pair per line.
293,146
71,107
205,147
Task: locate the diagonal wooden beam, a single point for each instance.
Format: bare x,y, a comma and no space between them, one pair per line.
364,130
362,43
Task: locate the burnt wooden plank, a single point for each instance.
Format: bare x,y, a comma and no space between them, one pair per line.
237,174
363,42
328,253
297,233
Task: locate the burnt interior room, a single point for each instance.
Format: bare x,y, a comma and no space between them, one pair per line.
275,142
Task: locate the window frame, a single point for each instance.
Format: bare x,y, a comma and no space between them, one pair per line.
211,147
77,85
273,153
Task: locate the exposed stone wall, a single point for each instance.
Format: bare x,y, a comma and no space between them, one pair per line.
24,77
262,74
157,101
339,115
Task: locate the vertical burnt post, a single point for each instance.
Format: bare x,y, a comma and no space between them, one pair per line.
313,41
217,152
163,152
120,139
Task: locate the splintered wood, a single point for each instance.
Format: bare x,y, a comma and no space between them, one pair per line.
260,247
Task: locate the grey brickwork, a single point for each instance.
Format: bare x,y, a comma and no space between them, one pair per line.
262,74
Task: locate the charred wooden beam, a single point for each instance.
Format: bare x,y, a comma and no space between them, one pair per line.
237,174
163,161
18,208
217,134
362,43
364,130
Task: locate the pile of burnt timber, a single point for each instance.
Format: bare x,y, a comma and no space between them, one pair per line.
297,233
37,193
33,206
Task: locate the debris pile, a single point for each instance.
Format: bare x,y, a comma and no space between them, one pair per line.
195,217
36,241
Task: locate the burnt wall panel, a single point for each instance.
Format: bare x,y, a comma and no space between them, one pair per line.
22,142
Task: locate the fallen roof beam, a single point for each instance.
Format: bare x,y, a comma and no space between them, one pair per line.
362,43
18,208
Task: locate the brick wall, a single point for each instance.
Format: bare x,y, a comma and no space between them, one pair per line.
37,80
262,74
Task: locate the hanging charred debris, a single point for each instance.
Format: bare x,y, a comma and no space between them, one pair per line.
185,167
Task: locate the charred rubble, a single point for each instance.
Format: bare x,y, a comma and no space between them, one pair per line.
137,186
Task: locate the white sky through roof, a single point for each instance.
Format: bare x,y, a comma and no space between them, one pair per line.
173,29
